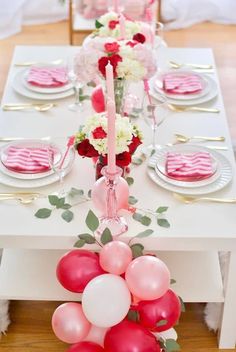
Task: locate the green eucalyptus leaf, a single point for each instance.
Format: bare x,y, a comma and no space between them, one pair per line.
43,213
53,200
132,200
98,24
161,322
183,309
79,244
137,216
92,221
145,233
137,161
67,215
66,206
172,281
171,345
161,210
91,84
137,250
129,180
89,239
106,236
60,203
84,97
75,192
163,223
89,193
146,221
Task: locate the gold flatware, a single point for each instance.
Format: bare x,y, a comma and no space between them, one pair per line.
18,107
189,199
191,108
30,63
10,139
23,198
184,139
197,66
213,147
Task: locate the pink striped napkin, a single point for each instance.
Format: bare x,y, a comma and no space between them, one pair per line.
47,77
182,83
189,167
28,160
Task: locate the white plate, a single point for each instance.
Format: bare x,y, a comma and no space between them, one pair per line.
28,144
220,182
209,96
43,90
35,183
160,164
19,87
158,85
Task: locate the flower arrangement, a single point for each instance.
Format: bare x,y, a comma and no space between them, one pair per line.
91,140
108,26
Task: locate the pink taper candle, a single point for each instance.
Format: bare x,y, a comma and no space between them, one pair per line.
116,5
111,136
122,26
110,81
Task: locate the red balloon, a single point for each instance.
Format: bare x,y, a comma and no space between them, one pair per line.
128,336
85,347
76,268
166,308
98,99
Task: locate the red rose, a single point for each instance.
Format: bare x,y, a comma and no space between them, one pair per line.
139,37
113,59
99,133
113,24
86,149
134,144
123,159
112,47
132,43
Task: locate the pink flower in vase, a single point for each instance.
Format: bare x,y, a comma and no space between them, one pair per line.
112,48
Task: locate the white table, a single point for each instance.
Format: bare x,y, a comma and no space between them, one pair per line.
190,247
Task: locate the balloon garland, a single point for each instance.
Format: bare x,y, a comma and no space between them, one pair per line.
127,304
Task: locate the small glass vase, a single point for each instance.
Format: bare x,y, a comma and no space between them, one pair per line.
109,195
121,90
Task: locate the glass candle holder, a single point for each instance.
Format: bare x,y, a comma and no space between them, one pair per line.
110,194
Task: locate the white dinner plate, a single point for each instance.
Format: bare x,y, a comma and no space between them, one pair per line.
158,85
19,87
222,176
34,143
38,182
160,166
43,90
213,91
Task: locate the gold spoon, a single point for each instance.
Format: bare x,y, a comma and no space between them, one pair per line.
30,63
189,200
19,107
191,108
178,65
184,139
23,199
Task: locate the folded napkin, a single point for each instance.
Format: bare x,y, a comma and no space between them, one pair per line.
30,160
182,83
47,76
190,167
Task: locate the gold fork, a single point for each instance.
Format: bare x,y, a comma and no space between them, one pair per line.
30,63
198,66
189,199
23,198
191,108
19,107
184,139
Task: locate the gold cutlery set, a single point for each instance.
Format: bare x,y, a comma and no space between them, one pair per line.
41,107
189,199
22,197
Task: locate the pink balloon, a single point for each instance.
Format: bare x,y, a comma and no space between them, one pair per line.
85,347
97,335
147,277
69,323
97,99
115,257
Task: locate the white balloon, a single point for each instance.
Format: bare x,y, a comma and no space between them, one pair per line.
96,335
168,334
106,300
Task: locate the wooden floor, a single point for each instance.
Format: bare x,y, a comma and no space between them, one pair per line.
30,330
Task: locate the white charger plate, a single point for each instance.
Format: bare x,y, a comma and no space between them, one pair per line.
218,183
213,91
19,87
158,85
34,143
43,90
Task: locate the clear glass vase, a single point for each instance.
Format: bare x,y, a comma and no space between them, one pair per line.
121,91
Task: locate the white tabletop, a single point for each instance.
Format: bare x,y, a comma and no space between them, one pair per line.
200,226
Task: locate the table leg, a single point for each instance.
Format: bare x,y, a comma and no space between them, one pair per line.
227,332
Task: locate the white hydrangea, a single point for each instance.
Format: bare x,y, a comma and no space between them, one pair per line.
124,132
131,70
